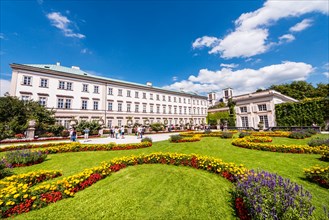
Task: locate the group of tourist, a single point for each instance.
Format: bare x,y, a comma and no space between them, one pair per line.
117,132
73,134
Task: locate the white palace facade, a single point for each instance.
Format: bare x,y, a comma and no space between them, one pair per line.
75,94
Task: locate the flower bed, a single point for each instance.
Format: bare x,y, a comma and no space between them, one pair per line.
319,175
325,156
20,158
76,147
268,196
301,149
256,139
18,196
195,138
8,141
271,133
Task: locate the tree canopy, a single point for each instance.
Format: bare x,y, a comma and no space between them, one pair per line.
15,114
300,90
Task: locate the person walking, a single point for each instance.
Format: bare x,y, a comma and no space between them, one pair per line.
116,131
73,134
112,132
139,132
86,133
122,131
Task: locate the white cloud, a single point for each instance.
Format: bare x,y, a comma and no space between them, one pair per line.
4,86
231,65
242,44
85,51
250,36
301,25
286,38
2,36
174,78
244,80
63,23
40,2
204,41
326,74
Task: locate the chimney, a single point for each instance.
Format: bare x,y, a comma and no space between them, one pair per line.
149,84
75,67
58,64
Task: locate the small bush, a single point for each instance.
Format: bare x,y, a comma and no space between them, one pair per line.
175,138
207,131
4,171
106,131
311,131
227,135
318,142
244,134
299,135
65,133
24,157
147,139
19,136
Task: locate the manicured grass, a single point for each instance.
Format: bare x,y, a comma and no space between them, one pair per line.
147,192
168,190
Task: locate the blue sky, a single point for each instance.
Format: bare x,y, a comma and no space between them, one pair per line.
198,46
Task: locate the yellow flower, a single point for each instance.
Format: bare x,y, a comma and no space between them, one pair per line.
16,195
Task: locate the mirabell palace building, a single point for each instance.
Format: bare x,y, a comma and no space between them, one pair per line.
76,94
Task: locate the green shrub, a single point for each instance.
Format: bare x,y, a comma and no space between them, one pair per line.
65,133
299,135
175,138
207,132
24,157
156,127
227,135
318,142
244,134
4,171
147,139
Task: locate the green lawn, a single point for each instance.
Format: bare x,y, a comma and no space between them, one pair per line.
169,192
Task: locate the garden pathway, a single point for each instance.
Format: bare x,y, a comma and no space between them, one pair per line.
127,139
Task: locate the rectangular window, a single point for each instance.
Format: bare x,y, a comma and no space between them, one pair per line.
60,103
95,105
136,108
262,107
158,108
264,119
84,87
174,99
61,85
184,110
44,83
164,109
68,103
151,96
169,98
42,101
128,93
136,94
84,104
243,109
110,91
144,95
163,98
244,121
119,123
158,97
175,110
179,100
188,101
189,110
119,92
180,110
144,108
169,109
27,80
25,98
109,123
68,85
96,89
119,107
151,108
110,106
128,107
184,100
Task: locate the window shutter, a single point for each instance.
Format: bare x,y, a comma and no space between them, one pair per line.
248,108
268,106
255,108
